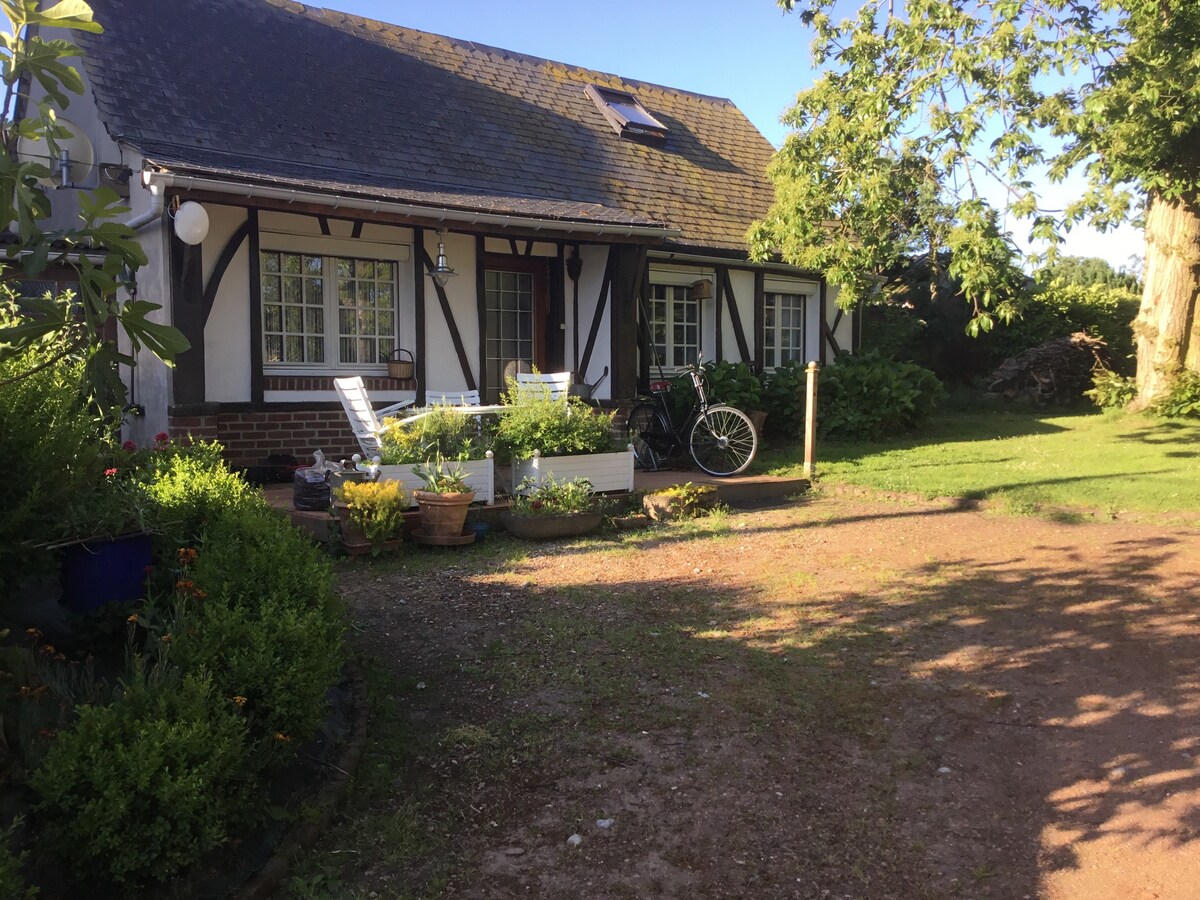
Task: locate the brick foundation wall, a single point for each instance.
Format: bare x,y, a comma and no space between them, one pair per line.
250,437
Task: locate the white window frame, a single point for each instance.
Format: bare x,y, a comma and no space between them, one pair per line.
330,250
678,278
770,298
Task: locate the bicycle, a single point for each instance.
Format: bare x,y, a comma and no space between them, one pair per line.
720,439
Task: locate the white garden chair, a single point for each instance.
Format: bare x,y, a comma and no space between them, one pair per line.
451,398
364,418
555,385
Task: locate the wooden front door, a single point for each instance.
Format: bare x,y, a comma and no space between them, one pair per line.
514,313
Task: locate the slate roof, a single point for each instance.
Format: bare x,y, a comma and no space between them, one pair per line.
277,92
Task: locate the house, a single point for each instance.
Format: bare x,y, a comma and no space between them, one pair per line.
591,221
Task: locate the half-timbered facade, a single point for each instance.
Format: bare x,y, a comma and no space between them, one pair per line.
592,222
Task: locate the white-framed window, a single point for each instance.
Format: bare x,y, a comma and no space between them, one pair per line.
783,327
329,305
674,325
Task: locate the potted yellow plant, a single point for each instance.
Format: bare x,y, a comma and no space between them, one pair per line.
371,515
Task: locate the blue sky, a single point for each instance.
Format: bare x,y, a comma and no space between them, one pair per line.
746,50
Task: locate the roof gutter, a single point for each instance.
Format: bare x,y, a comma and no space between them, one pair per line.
778,268
164,180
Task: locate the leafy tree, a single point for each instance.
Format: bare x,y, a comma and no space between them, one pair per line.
1087,271
923,103
102,251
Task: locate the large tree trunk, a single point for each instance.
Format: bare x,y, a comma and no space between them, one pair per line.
1168,326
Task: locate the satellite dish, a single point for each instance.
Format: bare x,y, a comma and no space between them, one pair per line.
78,149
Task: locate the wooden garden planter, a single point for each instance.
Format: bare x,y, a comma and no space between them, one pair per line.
480,475
606,471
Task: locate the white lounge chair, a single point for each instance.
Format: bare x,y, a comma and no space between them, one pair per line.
364,418
554,384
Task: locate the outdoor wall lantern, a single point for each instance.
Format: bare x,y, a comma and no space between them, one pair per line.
191,222
441,272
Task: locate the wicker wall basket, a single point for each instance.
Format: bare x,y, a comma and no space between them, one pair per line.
398,366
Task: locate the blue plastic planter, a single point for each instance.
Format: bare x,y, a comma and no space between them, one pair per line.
105,570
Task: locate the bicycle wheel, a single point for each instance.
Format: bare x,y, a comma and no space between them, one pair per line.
723,441
647,430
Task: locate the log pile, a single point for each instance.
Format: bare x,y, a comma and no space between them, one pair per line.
1056,372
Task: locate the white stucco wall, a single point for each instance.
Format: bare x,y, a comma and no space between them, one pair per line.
443,372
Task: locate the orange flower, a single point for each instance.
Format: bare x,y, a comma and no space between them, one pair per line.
133,619
282,738
35,633
166,638
239,700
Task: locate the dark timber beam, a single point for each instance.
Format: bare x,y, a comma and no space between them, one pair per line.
256,329
419,315
735,319
187,314
228,252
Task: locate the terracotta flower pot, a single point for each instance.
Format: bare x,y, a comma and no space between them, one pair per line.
443,515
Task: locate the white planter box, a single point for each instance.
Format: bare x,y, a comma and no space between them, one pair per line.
606,471
480,475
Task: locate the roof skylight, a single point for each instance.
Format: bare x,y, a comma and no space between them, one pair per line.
626,114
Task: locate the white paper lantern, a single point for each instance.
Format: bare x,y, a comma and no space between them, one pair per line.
191,222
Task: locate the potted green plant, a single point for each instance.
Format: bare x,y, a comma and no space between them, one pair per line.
371,514
681,501
444,500
550,508
563,439
440,432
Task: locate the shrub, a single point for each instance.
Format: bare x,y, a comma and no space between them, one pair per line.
563,427
267,628
731,383
142,788
783,398
192,488
441,432
48,425
1182,400
12,884
280,657
867,397
1110,390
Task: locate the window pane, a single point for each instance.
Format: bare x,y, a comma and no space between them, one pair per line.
292,292
270,289
314,321
316,349
386,323
293,320
346,350
313,291
366,322
291,263
313,265
346,321
366,293
364,268
346,293
274,350
294,349
345,268
366,350
384,295
385,271
272,318
269,261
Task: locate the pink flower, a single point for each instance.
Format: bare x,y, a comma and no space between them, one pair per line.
109,473
129,445
162,438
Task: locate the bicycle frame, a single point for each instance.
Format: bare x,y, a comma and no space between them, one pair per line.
699,408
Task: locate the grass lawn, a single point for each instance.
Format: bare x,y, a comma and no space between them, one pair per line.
1111,462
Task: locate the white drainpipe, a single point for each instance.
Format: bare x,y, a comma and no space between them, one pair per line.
157,204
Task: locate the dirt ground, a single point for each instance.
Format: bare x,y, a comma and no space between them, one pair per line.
840,698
